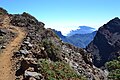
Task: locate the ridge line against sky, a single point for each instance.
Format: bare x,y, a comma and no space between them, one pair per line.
66,15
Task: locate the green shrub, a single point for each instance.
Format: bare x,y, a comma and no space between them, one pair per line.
57,71
51,49
115,64
114,69
114,74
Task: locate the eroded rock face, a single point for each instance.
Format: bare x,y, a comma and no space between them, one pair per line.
106,44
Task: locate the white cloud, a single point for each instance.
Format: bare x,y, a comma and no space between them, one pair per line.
66,27
66,30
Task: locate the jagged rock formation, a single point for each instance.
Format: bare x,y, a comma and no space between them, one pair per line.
42,53
106,44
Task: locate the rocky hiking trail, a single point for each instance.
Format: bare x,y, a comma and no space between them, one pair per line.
6,63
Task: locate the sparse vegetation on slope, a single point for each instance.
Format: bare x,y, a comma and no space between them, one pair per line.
51,49
57,71
114,69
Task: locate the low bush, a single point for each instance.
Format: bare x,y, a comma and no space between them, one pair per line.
114,69
57,71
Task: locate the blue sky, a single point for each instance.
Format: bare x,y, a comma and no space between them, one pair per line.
65,15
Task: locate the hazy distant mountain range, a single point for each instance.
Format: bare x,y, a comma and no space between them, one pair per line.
81,40
80,37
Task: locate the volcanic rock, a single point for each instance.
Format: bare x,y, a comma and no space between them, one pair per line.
106,44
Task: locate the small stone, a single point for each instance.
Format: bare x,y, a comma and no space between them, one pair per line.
30,45
26,42
24,52
3,47
42,48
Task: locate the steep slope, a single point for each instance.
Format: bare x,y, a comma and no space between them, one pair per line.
106,44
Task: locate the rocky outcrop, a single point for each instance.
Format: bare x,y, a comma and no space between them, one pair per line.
25,20
106,44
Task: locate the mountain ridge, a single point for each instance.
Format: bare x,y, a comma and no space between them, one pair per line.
105,46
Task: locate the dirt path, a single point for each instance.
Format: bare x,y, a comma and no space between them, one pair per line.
6,72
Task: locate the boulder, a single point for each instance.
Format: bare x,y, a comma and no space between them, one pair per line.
28,62
36,75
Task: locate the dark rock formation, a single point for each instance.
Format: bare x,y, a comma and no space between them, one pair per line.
106,44
25,20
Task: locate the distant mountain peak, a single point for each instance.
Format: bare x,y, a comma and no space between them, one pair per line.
116,18
113,25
